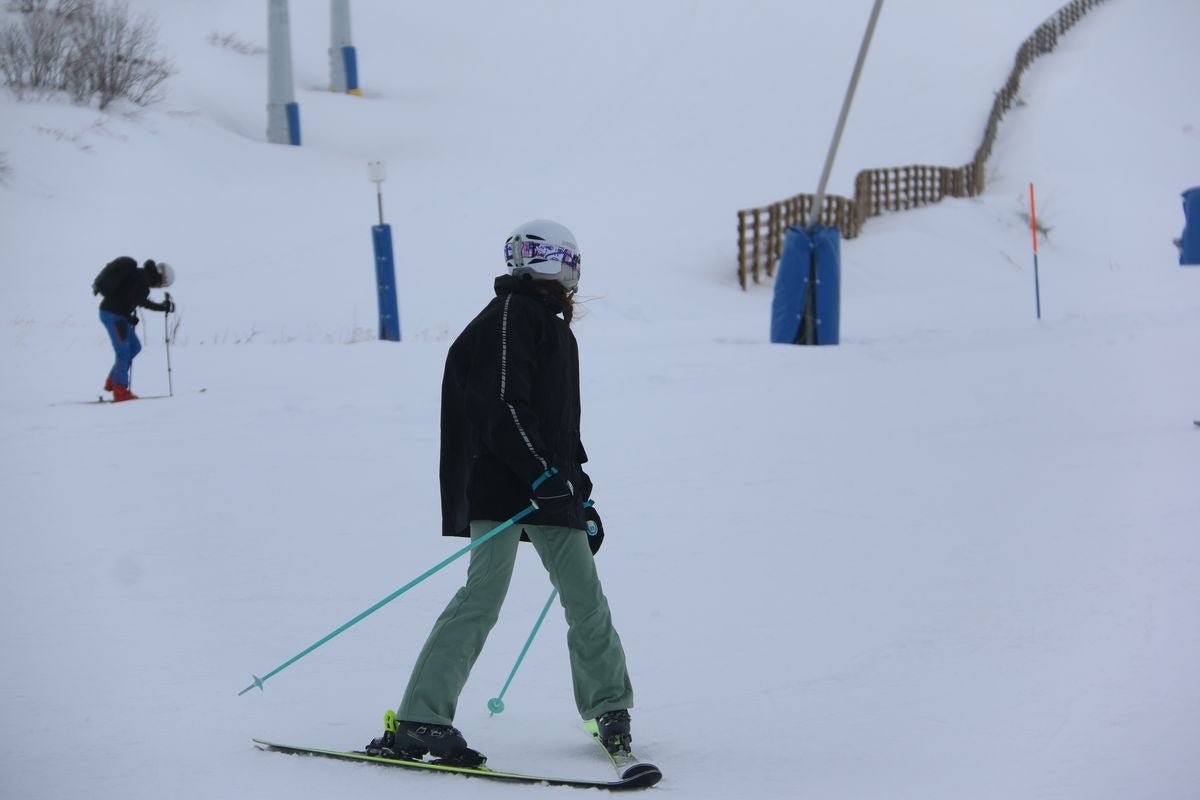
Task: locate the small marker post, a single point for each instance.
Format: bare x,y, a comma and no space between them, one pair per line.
1037,290
385,269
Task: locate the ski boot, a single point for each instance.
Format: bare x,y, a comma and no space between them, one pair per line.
613,730
108,384
411,741
122,393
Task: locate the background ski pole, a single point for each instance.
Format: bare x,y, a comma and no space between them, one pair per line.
167,340
486,537
496,704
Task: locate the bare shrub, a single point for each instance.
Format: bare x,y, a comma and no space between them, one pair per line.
26,6
5,169
87,48
33,53
231,41
119,57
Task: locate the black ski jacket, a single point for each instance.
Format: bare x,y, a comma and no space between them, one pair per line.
133,291
510,411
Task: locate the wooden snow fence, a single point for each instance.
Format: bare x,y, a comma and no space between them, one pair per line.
761,230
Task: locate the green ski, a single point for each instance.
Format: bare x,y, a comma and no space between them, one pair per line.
636,780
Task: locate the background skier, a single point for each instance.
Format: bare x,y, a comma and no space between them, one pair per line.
125,288
510,433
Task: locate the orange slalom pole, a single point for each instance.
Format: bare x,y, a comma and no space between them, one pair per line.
1037,291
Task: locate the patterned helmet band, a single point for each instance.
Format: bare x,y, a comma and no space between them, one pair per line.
525,251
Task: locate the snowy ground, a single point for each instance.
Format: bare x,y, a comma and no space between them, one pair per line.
954,557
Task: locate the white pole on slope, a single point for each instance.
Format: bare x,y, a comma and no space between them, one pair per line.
343,60
283,113
814,215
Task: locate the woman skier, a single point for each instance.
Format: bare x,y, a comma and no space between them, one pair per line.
510,435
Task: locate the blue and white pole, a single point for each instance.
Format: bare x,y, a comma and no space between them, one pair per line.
283,113
385,269
343,60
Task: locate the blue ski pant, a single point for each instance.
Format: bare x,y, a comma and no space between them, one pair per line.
125,345
600,679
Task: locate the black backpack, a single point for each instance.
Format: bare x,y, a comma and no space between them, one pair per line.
113,274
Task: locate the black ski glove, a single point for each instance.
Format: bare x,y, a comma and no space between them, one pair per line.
167,306
595,529
552,491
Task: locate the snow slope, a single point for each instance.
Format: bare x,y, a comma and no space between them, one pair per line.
953,557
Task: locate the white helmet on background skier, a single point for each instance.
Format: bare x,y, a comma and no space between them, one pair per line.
543,250
166,274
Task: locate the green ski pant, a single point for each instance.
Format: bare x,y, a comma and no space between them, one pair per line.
597,658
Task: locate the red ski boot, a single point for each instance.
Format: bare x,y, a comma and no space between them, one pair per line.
122,393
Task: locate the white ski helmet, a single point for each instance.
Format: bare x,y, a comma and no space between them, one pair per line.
543,250
166,273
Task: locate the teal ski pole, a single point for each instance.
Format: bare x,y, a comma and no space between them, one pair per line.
503,526
496,704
